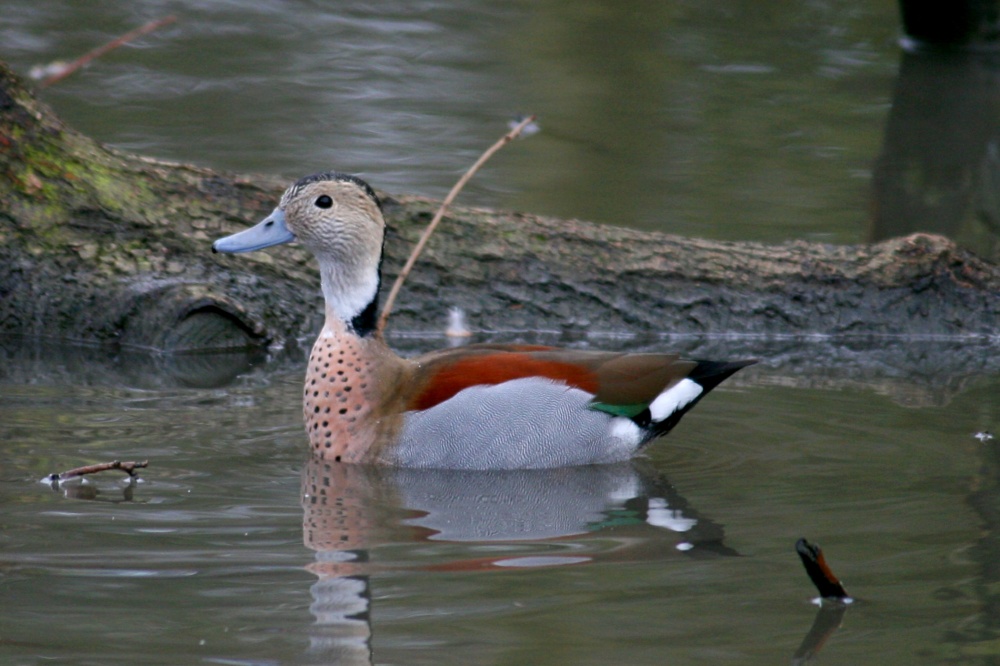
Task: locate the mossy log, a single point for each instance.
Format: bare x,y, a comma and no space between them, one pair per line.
102,246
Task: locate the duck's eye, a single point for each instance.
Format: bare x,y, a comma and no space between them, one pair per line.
324,201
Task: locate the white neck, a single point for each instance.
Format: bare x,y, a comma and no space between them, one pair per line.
347,292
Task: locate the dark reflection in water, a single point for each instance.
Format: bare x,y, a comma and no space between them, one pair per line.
939,170
50,362
828,619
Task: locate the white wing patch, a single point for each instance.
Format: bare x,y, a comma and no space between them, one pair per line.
676,397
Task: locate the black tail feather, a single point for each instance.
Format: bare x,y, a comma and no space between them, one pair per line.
708,375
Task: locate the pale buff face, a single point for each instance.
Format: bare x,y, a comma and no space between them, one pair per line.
337,221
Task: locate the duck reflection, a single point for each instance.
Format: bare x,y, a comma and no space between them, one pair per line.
545,518
825,624
82,489
350,507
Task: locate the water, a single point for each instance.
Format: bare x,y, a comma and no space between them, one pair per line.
716,119
235,549
722,120
727,120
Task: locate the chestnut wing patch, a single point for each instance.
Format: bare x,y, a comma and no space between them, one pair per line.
492,369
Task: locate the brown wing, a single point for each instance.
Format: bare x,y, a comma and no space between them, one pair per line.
615,378
628,379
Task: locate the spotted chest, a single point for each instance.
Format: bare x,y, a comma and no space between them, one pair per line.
338,401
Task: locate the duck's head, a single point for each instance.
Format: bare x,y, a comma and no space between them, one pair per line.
339,219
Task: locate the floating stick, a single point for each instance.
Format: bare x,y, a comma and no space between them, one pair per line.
127,467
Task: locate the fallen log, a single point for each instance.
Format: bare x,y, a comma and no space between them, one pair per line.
102,246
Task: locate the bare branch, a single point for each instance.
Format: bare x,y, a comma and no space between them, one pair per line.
127,467
85,59
418,248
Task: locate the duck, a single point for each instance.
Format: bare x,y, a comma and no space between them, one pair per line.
484,406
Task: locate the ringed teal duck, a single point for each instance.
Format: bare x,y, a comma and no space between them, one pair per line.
482,406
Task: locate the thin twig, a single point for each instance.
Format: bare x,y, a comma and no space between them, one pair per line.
127,467
85,59
418,248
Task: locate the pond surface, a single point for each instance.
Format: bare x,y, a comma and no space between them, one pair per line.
234,548
720,119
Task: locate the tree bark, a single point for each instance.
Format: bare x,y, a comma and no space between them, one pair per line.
98,245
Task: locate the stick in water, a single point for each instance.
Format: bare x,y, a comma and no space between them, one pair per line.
819,571
418,248
127,467
85,59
